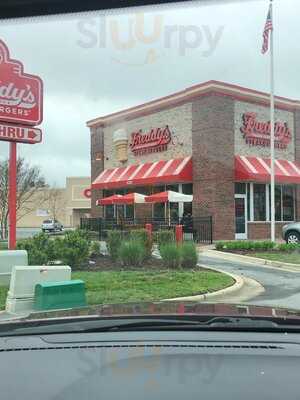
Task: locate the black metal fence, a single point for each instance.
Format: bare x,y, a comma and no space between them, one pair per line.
198,229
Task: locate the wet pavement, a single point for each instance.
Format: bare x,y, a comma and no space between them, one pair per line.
282,288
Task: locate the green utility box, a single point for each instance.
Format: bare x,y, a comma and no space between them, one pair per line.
59,295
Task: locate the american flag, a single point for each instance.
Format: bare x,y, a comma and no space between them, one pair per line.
267,30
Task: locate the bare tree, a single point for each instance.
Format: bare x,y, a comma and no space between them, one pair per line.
56,202
29,182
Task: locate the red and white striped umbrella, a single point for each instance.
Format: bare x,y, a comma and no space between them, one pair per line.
131,198
107,201
169,197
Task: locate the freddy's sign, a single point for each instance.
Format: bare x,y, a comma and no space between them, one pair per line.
156,140
257,133
20,93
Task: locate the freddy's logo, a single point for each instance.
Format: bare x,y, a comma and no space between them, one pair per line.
154,141
20,93
257,133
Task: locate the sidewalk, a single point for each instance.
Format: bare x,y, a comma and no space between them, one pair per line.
210,252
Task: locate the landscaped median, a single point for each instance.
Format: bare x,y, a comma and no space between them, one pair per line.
144,285
129,273
282,253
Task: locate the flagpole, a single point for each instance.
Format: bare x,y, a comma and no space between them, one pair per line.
272,122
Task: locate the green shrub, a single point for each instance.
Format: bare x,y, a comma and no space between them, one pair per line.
114,241
142,236
164,237
220,245
40,249
289,247
171,255
132,254
189,255
95,248
73,248
245,245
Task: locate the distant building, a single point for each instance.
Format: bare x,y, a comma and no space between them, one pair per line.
67,204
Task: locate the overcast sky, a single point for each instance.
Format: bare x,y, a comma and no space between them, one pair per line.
95,64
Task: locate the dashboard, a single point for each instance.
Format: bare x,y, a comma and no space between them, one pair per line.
151,365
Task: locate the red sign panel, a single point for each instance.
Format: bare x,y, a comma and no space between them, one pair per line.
154,141
87,193
257,133
17,133
21,95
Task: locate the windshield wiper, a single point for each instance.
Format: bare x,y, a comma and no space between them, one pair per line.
168,323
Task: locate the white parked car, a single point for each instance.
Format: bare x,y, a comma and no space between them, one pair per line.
52,225
291,232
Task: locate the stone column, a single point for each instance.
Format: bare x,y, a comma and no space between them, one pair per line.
97,166
213,163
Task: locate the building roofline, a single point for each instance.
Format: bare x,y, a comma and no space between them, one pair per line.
207,88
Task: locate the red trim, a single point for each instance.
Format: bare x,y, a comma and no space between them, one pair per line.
186,95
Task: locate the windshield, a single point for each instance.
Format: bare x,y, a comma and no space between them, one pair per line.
160,145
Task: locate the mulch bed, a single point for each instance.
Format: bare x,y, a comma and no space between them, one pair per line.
105,263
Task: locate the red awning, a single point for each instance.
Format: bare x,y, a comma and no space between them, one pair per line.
169,171
257,169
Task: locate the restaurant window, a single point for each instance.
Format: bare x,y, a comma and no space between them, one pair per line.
284,202
259,202
159,211
109,212
240,188
174,212
187,188
129,211
278,203
288,203
173,188
248,201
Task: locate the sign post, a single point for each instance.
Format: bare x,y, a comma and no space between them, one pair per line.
21,99
12,196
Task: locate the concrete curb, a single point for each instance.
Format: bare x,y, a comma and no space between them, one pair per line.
239,283
253,260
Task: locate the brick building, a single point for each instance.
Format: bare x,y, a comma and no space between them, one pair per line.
211,140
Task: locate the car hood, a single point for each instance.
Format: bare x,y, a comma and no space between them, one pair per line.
169,308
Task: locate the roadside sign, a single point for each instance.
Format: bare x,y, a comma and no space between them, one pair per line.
17,133
21,108
21,94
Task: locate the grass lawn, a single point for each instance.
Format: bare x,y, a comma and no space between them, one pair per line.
135,286
3,294
293,258
3,245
